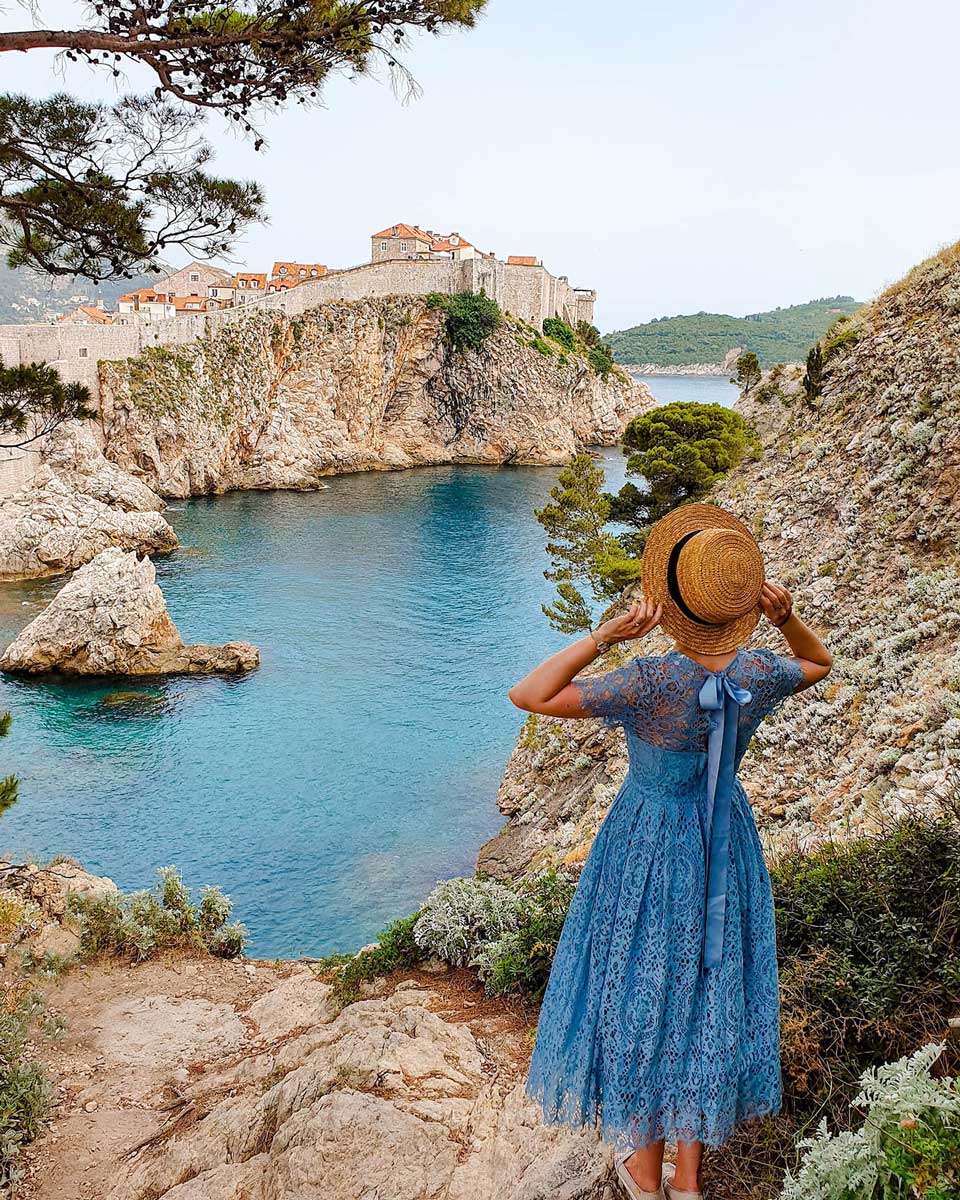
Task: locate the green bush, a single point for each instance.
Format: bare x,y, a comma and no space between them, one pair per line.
600,358
395,947
520,961
25,1091
460,915
140,924
561,332
470,317
541,346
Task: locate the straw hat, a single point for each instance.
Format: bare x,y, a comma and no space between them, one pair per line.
705,568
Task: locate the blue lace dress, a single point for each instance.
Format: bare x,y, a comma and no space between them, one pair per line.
661,1016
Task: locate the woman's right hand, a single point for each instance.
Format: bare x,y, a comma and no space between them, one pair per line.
640,618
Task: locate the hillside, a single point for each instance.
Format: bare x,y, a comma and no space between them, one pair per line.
782,335
856,502
26,296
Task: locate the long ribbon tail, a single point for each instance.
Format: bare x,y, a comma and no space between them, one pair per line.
722,699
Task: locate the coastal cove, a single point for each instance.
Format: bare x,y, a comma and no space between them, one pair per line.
329,790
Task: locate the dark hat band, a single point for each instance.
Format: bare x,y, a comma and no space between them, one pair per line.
673,587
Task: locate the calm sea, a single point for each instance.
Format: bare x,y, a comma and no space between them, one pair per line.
327,791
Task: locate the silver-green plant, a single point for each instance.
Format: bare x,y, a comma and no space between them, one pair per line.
856,1165
461,916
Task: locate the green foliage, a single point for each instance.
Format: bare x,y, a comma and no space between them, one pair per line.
462,914
139,925
588,334
34,400
25,1092
395,948
520,961
843,332
813,377
471,317
681,450
748,371
600,358
541,346
908,1144
561,332
9,784
581,551
782,335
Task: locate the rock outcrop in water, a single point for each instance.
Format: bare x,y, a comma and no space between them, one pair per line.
111,619
855,498
76,505
269,401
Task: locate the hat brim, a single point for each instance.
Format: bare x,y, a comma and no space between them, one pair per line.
709,639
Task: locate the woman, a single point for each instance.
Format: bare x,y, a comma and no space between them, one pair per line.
661,1018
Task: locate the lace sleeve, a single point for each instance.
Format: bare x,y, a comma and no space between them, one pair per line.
615,695
776,678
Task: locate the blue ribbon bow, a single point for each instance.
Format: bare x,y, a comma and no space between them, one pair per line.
721,698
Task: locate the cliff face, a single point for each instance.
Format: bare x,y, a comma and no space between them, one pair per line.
855,498
270,401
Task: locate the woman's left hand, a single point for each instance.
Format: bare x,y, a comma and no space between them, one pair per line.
639,619
776,603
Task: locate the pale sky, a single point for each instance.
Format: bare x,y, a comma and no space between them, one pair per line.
677,155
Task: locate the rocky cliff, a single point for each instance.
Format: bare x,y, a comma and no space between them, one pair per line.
267,401
855,497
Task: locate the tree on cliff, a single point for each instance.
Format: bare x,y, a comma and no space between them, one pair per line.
580,549
34,400
748,371
100,190
680,450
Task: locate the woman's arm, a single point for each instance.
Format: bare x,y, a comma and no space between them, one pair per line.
547,689
814,658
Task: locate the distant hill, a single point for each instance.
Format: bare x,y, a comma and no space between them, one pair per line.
782,335
27,297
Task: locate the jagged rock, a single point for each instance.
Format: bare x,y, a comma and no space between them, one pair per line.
111,619
73,455
387,1098
269,401
76,505
855,498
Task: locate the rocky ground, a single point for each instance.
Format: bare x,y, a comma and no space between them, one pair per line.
76,505
111,619
855,498
277,402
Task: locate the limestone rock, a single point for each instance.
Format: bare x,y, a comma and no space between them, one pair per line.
387,1098
269,401
72,453
111,619
49,526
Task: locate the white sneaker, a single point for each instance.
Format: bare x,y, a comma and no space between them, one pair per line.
630,1186
672,1193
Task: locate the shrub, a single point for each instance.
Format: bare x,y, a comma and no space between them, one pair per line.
140,924
395,947
748,371
908,1144
520,961
470,317
561,332
600,358
461,915
25,1092
541,346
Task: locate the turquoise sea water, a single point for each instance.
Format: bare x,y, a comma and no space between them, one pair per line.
327,791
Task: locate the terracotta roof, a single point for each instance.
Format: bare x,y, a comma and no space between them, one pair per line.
443,245
294,268
146,293
405,231
284,281
260,276
522,260
95,314
185,303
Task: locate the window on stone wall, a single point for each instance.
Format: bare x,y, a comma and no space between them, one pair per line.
194,277
383,245
82,352
403,247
